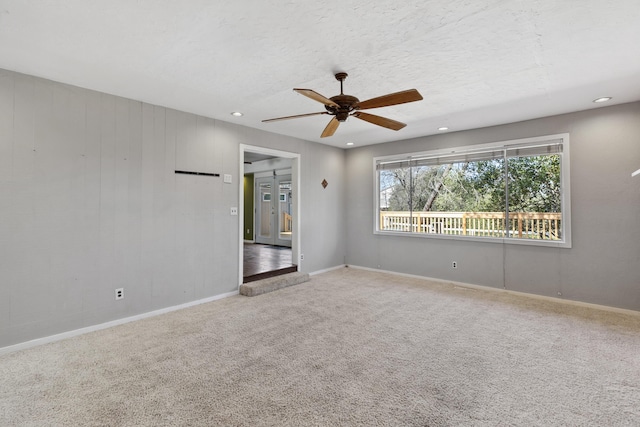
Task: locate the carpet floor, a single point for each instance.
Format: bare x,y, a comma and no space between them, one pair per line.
348,348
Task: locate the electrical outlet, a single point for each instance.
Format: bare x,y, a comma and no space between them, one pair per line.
301,257
234,211
454,264
119,293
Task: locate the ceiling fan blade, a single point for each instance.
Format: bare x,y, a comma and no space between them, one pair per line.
317,97
331,128
380,121
294,117
403,97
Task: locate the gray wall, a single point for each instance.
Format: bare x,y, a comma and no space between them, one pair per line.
603,265
89,202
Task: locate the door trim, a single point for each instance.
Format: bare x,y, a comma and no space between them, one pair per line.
295,184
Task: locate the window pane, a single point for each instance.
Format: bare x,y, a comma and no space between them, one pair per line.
464,192
436,192
535,199
464,198
286,210
467,198
395,194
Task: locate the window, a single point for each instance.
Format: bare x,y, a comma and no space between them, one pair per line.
515,191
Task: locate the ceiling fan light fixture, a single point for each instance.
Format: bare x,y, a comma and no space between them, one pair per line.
602,99
343,106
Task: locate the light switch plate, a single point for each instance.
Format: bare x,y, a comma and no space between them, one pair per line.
227,178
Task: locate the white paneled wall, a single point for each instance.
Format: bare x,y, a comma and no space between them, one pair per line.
89,202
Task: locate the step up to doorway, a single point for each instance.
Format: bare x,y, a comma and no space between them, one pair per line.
272,284
271,273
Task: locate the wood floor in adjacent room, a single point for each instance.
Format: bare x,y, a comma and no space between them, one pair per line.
262,261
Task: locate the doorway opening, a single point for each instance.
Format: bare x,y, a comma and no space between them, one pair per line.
269,235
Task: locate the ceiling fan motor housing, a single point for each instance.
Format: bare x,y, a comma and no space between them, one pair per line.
347,104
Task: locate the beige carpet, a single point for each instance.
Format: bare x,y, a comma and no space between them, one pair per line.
348,348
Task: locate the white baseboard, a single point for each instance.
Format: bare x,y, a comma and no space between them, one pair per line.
524,294
70,334
326,270
76,332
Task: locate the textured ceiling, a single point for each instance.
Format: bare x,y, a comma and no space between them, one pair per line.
477,63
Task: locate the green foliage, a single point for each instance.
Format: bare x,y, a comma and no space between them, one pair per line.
412,187
534,186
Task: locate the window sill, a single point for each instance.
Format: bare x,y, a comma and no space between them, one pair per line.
510,241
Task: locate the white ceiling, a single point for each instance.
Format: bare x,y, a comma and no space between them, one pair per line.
477,63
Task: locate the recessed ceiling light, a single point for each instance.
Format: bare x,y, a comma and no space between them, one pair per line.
349,143
237,114
443,128
603,99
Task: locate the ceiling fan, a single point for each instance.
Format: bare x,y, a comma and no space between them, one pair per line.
342,106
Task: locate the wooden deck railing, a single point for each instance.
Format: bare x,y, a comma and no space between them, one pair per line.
523,225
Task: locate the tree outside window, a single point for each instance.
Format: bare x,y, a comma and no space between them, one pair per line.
508,192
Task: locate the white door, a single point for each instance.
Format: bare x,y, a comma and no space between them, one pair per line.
274,211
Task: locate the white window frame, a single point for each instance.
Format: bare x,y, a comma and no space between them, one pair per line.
565,189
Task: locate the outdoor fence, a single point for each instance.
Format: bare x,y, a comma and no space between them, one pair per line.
523,225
